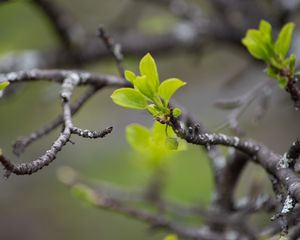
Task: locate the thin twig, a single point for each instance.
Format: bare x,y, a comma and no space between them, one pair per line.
67,30
22,143
114,49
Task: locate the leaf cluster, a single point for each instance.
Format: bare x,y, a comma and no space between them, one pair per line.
261,45
154,144
148,93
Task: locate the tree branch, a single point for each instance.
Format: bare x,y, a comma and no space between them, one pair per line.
69,80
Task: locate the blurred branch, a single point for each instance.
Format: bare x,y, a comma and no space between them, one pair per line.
113,201
68,31
90,51
235,163
156,221
114,48
261,92
183,9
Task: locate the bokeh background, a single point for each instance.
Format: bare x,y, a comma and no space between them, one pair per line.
40,207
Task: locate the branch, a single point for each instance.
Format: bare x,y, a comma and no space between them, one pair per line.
114,49
69,80
58,76
235,163
110,203
257,152
21,144
238,106
292,88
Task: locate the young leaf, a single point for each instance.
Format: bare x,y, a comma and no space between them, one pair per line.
171,143
129,98
292,62
265,29
283,42
159,133
255,45
130,76
138,137
176,112
84,193
141,83
168,87
282,81
276,64
271,72
3,85
148,68
154,144
153,110
171,237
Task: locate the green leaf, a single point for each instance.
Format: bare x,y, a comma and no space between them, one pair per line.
176,112
148,68
3,85
154,145
130,76
171,143
283,42
282,81
141,83
292,62
171,237
153,110
271,72
129,98
168,87
266,29
275,63
84,193
256,45
138,137
159,132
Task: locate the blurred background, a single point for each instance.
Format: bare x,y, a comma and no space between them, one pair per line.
39,206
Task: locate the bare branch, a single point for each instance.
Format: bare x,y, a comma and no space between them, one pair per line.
238,106
257,153
58,76
156,221
22,143
68,32
114,48
69,80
